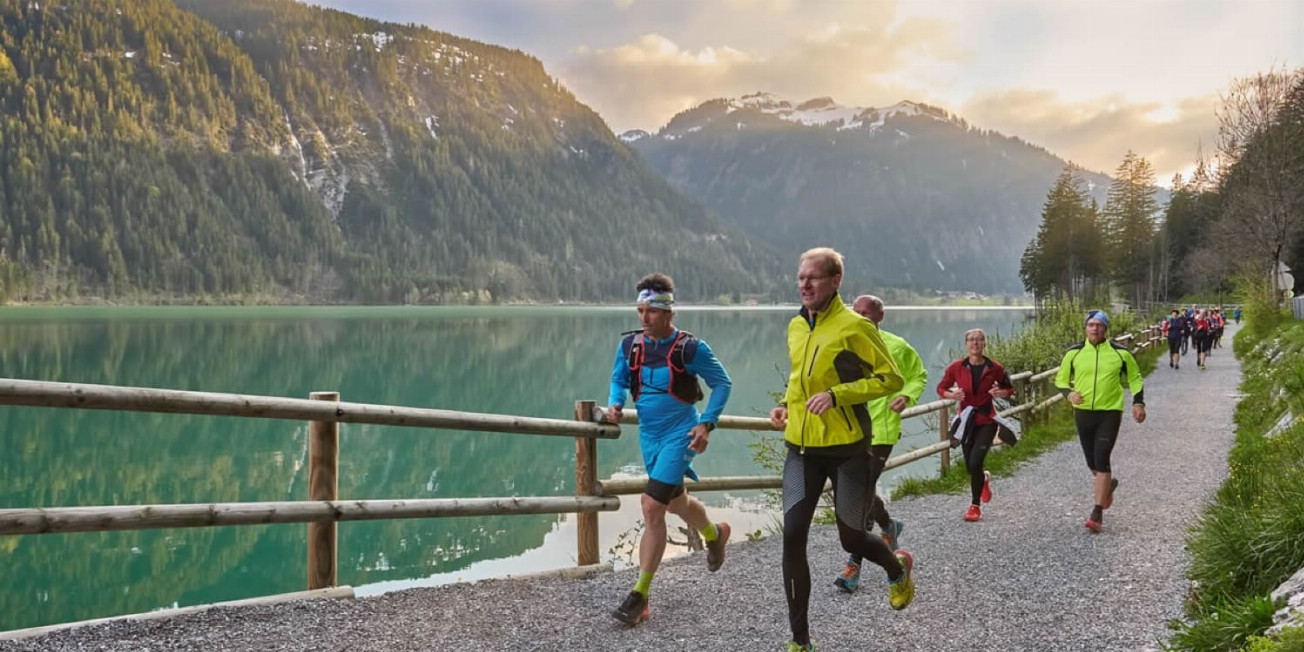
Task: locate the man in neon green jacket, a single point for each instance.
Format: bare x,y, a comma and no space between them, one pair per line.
1091,377
885,413
839,363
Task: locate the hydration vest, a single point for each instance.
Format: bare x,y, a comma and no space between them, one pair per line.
684,386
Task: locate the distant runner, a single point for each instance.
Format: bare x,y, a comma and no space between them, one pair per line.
974,381
1091,377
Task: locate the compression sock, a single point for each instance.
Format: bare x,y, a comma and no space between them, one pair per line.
709,532
1098,514
644,584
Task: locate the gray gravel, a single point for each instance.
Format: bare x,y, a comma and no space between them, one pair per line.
1029,576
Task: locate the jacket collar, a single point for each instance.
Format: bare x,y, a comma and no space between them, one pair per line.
835,306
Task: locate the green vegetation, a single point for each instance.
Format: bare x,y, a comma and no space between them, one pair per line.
1251,538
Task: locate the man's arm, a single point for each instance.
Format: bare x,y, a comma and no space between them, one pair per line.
619,379
878,374
708,367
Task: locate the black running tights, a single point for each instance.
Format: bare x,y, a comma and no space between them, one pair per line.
1097,432
975,454
803,484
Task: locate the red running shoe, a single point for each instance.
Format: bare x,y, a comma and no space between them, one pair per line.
1094,526
987,487
975,513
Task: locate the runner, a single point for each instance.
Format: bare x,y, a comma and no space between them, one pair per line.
885,415
1201,338
660,366
1091,377
839,363
1175,332
973,381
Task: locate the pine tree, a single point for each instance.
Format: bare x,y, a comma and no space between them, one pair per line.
1063,259
1129,229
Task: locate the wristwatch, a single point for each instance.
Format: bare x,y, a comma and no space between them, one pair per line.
710,425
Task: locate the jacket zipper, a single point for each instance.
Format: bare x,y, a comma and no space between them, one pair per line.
1095,377
806,385
845,417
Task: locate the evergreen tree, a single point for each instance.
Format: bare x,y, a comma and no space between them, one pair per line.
1063,260
1129,229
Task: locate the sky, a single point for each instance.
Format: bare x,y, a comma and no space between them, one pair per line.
1086,79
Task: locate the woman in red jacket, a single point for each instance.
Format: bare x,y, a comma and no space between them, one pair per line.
974,381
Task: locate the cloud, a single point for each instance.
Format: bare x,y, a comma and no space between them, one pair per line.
644,82
1096,134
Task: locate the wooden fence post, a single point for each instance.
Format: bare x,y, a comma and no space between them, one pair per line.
323,484
943,428
586,475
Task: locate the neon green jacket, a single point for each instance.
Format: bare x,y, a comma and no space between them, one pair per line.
841,353
1097,372
887,424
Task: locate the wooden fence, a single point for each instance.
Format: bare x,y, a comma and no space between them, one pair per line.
324,412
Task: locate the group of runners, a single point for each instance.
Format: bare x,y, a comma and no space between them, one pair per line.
848,383
1195,328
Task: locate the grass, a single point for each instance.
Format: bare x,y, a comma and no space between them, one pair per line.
1251,537
1005,460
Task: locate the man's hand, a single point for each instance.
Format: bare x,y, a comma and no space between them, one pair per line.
819,403
1075,398
613,413
1138,413
955,394
898,404
1000,392
701,437
779,418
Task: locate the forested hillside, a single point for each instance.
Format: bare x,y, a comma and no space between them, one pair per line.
269,150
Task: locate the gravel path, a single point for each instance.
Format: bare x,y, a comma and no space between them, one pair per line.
1029,576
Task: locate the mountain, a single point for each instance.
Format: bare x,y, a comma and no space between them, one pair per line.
272,150
911,194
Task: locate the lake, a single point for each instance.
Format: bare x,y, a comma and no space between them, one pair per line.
531,361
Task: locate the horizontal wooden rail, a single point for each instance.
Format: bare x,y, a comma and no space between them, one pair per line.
148,517
140,399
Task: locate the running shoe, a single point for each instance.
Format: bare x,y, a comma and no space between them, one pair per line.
794,646
902,592
987,487
975,513
849,580
715,549
1094,525
892,533
633,610
1109,499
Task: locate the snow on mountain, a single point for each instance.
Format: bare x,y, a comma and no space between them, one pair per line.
817,112
634,135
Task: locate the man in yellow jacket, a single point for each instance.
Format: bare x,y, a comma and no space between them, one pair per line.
839,364
885,415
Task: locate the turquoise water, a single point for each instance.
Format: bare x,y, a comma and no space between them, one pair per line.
532,361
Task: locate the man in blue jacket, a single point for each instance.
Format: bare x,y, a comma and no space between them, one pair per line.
659,366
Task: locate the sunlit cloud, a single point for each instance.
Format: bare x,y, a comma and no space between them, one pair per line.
1096,134
644,82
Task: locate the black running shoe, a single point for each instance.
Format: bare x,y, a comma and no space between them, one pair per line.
633,610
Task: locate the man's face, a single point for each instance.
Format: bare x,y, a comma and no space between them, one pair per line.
815,284
1095,331
655,321
975,344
